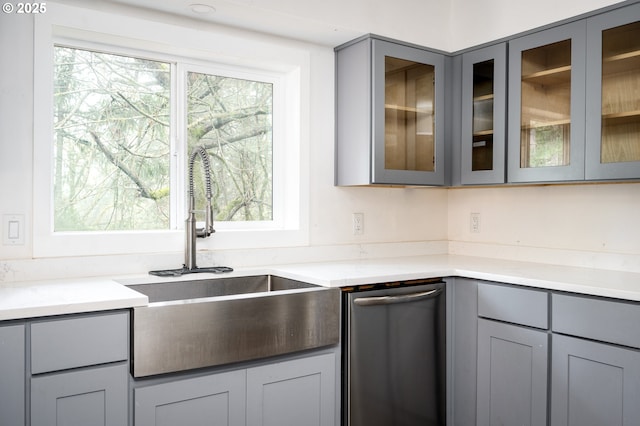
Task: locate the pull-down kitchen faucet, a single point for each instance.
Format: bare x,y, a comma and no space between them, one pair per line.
191,232
190,224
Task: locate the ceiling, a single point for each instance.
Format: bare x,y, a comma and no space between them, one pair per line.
333,22
329,22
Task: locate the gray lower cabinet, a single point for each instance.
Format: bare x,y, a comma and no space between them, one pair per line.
87,397
512,375
595,376
462,294
79,370
295,392
214,400
12,375
594,384
512,355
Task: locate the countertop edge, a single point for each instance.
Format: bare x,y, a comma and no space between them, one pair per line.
22,300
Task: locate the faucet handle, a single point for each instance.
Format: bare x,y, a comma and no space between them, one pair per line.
204,232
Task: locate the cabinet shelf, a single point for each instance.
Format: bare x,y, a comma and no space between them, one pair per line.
623,56
488,97
407,109
487,132
621,62
622,117
551,76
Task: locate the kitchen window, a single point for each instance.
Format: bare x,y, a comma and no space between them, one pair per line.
122,116
113,119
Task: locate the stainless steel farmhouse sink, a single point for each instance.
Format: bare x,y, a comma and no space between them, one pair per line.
191,324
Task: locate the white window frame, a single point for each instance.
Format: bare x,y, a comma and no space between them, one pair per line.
278,154
192,50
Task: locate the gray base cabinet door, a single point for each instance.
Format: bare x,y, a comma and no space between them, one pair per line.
215,400
88,397
293,393
12,404
594,384
512,375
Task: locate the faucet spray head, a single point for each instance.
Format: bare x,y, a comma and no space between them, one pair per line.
204,156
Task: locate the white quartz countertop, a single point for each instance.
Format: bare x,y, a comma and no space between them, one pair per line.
596,282
28,299
44,298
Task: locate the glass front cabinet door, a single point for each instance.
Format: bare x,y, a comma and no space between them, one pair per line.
613,94
546,125
389,129
484,88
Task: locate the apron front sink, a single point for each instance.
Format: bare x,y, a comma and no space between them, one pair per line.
204,323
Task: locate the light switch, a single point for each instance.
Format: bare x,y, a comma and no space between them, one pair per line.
12,229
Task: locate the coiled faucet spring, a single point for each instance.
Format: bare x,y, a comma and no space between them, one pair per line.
191,232
190,223
207,170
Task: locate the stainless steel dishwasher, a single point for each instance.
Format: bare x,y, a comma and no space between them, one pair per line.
394,354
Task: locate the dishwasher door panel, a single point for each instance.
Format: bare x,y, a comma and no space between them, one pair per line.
396,372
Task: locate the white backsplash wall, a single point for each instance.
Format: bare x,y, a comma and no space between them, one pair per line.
591,225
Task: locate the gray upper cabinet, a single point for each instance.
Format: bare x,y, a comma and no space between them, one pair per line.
613,94
389,129
484,97
546,124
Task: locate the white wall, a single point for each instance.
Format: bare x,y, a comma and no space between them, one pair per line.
478,22
597,223
393,216
16,123
592,225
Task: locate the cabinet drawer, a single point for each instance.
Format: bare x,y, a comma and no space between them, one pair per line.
513,304
77,342
88,397
598,319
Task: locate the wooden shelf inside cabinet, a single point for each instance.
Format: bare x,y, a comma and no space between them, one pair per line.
622,117
488,97
488,132
408,109
622,62
551,76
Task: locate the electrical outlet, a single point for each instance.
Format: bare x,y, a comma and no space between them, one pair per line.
475,223
358,223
